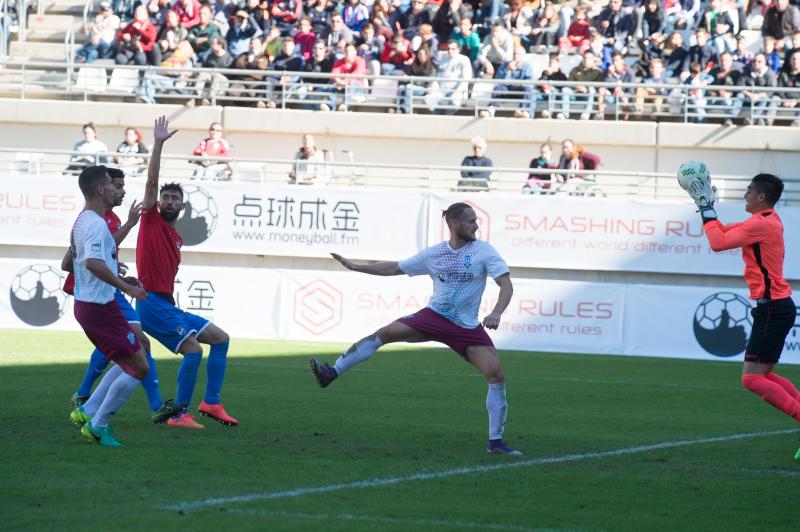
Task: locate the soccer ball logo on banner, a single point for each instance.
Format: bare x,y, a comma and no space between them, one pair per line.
722,324
36,295
199,217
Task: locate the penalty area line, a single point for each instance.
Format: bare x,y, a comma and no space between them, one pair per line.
465,470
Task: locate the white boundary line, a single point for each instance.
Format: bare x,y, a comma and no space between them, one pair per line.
465,470
416,523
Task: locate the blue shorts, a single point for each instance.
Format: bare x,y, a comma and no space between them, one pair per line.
126,308
167,323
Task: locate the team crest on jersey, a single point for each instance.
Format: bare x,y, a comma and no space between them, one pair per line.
131,338
467,261
178,245
180,330
96,246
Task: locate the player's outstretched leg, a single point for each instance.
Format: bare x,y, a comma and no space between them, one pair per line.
772,392
362,350
485,358
81,414
97,364
215,370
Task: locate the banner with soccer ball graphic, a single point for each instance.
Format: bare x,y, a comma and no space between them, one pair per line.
709,323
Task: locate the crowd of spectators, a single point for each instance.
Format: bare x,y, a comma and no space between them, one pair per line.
694,43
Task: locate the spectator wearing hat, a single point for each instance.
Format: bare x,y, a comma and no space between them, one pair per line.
240,32
100,42
476,178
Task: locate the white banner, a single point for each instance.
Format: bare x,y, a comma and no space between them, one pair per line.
32,297
248,218
606,234
555,316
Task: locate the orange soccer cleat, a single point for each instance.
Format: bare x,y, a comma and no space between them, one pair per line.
184,420
217,412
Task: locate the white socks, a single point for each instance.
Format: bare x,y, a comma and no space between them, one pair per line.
498,408
358,352
118,393
96,399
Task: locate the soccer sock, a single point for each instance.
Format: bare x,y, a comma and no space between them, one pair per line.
150,384
358,353
215,368
118,393
91,406
498,409
97,363
187,377
773,393
785,383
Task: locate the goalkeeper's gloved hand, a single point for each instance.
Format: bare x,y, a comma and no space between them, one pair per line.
707,211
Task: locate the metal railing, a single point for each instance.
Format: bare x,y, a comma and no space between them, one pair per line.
478,97
327,172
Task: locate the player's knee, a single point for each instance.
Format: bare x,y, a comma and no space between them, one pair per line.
222,337
140,368
495,376
190,345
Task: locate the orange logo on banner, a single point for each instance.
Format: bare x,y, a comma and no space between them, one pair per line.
484,223
318,307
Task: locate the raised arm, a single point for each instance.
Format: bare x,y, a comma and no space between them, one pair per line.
377,268
492,320
161,134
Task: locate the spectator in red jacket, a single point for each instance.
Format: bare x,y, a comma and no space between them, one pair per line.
397,56
354,87
579,33
305,38
136,39
213,146
188,12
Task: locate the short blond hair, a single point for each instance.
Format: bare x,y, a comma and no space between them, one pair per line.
479,141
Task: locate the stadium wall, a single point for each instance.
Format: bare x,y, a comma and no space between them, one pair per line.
385,138
615,290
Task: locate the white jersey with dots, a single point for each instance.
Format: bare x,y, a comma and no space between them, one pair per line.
459,277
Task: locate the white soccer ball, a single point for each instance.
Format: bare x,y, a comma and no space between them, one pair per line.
693,172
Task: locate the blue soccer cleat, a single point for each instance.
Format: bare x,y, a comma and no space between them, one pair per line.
499,447
103,436
324,373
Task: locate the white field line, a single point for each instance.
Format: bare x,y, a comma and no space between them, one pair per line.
512,378
385,520
465,470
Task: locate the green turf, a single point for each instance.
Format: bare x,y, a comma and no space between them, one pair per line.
406,411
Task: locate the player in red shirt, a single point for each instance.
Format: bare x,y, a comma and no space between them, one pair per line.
158,255
98,361
761,240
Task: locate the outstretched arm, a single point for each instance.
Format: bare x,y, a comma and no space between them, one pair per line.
492,320
161,134
721,238
376,268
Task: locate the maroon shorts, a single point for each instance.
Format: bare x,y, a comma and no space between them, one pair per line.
109,331
440,329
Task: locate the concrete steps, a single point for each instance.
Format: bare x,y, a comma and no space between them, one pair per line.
38,51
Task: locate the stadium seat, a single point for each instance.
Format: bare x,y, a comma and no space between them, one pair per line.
384,91
123,80
91,79
27,162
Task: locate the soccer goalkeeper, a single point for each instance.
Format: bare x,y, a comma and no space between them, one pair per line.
761,240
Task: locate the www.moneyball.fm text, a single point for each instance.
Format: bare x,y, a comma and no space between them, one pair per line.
308,239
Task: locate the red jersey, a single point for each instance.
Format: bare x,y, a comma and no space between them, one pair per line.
761,240
113,225
158,253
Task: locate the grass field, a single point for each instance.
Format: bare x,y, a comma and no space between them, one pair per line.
398,445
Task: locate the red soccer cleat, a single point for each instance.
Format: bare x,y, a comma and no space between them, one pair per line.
216,412
184,420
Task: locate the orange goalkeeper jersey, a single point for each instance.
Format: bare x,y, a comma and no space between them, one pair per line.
761,240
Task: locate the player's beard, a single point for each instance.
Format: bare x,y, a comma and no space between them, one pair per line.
169,215
466,236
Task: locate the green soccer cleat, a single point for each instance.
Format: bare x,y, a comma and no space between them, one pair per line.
103,436
167,409
78,417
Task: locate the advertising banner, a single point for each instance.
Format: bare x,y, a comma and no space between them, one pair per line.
606,234
244,218
703,323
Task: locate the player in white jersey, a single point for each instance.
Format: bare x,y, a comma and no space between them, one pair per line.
459,268
96,309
